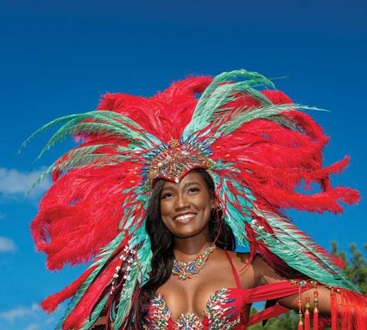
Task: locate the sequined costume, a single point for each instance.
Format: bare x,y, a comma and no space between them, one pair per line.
260,149
225,308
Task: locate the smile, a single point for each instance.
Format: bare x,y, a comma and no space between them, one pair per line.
184,218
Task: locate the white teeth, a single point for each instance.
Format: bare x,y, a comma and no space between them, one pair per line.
184,217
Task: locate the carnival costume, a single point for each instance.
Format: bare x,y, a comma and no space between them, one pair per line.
260,150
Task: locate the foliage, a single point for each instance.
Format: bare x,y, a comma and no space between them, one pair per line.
355,268
287,321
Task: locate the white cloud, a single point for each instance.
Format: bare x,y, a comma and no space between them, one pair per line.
14,183
19,312
29,318
7,245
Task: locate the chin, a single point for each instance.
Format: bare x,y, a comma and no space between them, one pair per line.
189,232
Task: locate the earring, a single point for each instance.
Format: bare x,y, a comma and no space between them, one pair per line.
217,206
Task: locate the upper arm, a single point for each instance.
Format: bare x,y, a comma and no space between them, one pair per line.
311,292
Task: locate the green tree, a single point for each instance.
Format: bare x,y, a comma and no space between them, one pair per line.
355,268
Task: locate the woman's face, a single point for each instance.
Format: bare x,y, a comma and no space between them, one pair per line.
186,206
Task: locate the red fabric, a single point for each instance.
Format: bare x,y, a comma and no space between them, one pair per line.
307,322
315,321
348,308
352,310
267,314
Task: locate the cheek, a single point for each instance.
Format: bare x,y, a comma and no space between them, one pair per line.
166,207
205,204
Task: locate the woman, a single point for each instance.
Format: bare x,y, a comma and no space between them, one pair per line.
158,182
217,293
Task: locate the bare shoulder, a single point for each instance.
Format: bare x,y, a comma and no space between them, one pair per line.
244,268
255,271
242,259
239,259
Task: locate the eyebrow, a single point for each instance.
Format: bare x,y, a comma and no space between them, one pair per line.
171,187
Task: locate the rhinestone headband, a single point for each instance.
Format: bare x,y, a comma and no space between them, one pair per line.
172,161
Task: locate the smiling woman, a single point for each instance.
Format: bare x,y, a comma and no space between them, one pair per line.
162,189
186,207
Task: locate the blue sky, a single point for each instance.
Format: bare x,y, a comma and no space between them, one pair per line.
59,57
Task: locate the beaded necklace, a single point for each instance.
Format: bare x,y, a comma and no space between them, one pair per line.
186,269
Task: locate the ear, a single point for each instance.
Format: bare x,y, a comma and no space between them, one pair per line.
213,203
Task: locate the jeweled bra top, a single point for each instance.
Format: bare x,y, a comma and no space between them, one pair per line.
224,310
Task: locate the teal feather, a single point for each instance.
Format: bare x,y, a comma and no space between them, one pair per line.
86,155
41,177
127,292
222,91
78,162
90,127
51,124
89,322
300,252
138,274
94,122
237,208
270,112
91,159
140,238
211,107
100,262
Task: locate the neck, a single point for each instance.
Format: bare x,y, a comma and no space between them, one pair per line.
189,248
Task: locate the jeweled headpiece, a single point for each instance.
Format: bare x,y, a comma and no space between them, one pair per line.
259,148
174,160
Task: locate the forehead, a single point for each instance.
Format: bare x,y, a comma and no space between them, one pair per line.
190,178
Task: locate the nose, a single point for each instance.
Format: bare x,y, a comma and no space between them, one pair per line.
181,202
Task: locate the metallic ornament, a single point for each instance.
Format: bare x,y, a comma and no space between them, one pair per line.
173,160
186,269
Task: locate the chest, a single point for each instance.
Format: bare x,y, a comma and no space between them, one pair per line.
225,309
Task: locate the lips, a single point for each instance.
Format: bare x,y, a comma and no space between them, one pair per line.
184,218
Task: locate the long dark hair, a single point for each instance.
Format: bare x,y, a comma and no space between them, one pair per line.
162,246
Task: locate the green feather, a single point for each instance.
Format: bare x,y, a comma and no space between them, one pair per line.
293,246
88,322
100,262
237,208
52,123
90,127
95,122
270,112
85,155
222,91
137,274
81,161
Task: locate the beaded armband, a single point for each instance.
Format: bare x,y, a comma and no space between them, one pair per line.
304,306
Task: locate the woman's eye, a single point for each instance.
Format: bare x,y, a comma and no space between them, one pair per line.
166,195
193,190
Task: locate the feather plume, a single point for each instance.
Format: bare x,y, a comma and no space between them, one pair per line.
220,93
262,149
300,252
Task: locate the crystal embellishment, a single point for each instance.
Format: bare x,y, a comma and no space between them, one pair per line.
186,269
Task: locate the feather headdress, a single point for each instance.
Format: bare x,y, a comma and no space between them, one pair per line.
259,148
